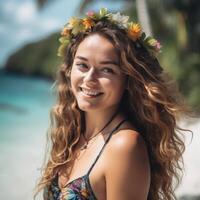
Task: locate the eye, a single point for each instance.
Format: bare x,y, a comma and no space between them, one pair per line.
108,70
82,65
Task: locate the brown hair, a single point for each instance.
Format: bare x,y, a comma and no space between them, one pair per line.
151,102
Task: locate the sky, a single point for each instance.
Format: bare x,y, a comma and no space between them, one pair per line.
21,22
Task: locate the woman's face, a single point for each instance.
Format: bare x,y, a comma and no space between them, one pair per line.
96,80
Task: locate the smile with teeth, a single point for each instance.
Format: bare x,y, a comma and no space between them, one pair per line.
90,92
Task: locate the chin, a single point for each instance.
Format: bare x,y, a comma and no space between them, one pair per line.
87,107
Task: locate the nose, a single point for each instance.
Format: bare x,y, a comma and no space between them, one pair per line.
90,76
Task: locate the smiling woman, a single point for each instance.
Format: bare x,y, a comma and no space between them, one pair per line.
113,133
96,80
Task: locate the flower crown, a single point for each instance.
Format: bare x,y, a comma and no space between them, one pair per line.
78,25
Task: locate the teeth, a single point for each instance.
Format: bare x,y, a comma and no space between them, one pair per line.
89,92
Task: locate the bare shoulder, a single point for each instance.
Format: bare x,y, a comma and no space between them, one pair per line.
127,166
127,141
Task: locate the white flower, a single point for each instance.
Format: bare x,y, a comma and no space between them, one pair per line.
120,19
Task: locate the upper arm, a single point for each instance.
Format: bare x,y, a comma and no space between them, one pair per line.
127,167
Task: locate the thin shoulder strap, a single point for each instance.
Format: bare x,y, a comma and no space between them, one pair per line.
107,140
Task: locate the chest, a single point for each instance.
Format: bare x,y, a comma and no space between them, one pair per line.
79,168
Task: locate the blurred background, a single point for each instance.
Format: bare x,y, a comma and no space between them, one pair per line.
29,32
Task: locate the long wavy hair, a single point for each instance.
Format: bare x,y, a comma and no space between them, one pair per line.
151,102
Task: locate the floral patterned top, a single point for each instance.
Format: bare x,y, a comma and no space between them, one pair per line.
78,189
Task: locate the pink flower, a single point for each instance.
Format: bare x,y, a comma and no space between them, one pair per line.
158,45
90,13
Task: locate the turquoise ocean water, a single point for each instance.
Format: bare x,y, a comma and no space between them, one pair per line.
24,119
24,102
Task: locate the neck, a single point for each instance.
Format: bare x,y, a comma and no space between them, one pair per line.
95,121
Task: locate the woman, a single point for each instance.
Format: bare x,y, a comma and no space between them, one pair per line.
113,128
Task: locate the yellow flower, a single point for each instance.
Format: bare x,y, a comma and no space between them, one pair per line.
65,32
88,23
73,22
134,31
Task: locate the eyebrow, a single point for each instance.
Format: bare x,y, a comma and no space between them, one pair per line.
102,62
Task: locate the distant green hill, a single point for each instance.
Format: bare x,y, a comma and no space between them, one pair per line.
38,58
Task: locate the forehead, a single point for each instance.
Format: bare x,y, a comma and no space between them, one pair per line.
97,46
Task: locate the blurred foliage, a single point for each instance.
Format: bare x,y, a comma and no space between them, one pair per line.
39,58
175,23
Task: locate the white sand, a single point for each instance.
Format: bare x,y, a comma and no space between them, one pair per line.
191,179
19,163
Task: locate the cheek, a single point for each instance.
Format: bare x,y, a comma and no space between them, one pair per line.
115,88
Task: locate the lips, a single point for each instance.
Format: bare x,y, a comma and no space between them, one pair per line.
90,92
